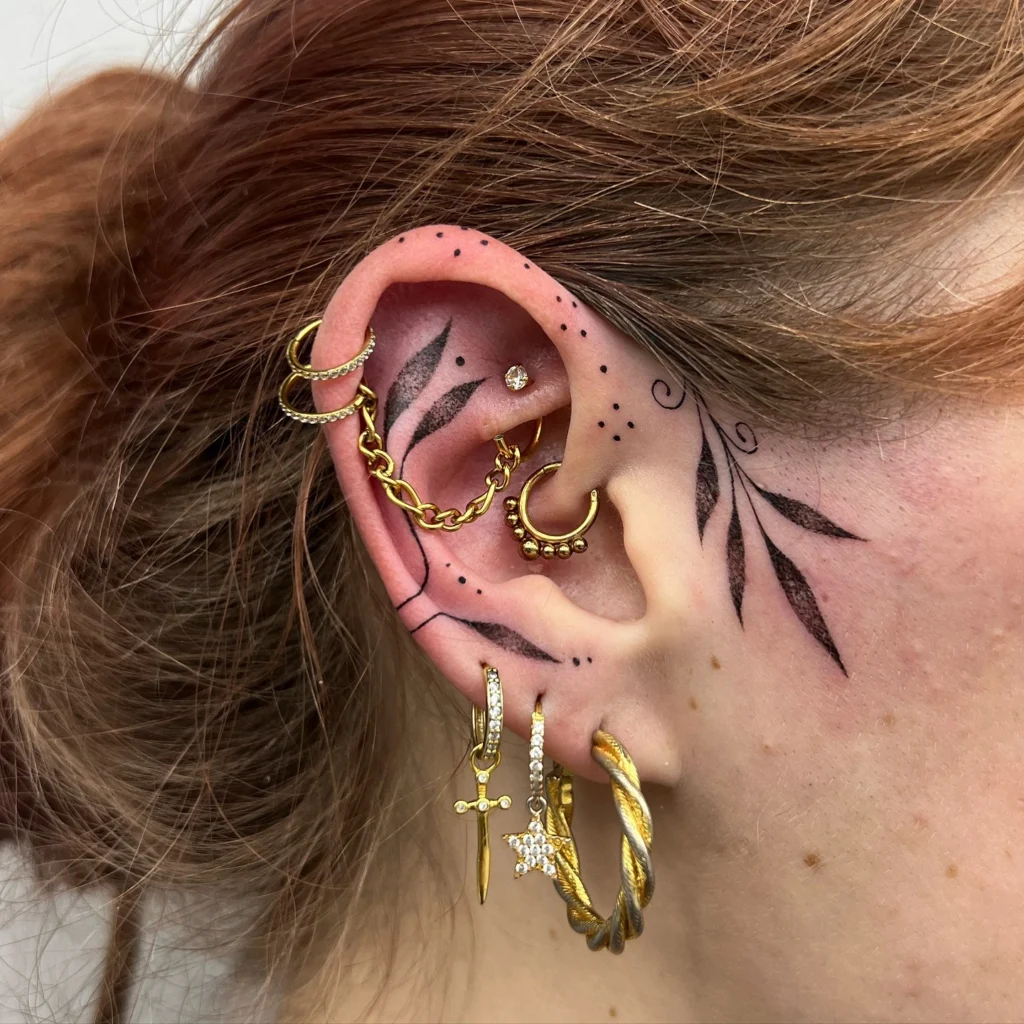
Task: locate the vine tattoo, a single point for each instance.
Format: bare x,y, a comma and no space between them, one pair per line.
411,381
732,447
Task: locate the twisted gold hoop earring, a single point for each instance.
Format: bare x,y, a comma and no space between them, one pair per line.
535,543
371,445
637,873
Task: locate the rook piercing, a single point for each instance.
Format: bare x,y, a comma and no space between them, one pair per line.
516,378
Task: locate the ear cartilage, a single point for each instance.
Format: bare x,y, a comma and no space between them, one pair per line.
535,543
516,378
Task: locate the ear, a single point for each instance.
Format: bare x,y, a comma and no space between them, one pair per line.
598,635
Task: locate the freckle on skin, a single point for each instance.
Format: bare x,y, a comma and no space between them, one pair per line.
952,871
889,720
812,859
715,663
693,703
553,933
612,1012
769,749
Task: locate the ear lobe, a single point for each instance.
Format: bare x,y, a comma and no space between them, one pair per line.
572,631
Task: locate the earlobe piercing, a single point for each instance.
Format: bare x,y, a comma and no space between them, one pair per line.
483,759
535,543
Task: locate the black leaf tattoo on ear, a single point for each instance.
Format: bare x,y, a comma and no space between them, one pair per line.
413,378
501,636
742,441
444,410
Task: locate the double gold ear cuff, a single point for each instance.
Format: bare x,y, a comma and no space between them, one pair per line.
533,543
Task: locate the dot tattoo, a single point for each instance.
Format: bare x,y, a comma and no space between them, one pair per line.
460,360
630,424
615,405
576,661
526,265
483,241
583,334
440,234
462,579
604,369
600,423
564,327
616,438
458,252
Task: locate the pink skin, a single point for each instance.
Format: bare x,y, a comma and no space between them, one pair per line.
827,846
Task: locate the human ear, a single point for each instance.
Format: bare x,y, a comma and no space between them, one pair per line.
597,634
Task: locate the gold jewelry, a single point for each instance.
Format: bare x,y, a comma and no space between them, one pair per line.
637,873
306,371
380,464
516,378
535,543
535,848
486,743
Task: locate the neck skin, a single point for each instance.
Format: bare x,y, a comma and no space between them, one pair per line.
516,957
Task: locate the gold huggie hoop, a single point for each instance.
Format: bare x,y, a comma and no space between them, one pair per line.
535,543
303,372
380,464
306,371
627,919
487,727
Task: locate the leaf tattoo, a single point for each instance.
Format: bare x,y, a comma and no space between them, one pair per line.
805,516
735,561
801,599
444,410
413,378
740,443
707,485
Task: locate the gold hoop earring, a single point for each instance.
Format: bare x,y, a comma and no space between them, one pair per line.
381,465
535,543
637,873
487,726
306,371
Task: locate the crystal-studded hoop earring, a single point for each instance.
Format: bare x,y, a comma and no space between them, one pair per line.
484,757
535,847
637,873
535,543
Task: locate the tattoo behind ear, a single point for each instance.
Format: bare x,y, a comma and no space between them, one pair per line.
731,446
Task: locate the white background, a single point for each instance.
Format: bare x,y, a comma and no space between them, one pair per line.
51,949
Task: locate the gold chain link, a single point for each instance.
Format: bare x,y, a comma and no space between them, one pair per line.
428,515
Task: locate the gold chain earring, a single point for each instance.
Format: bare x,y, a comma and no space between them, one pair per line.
484,757
535,847
636,871
535,543
371,445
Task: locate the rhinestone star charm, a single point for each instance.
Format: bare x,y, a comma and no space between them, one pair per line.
535,850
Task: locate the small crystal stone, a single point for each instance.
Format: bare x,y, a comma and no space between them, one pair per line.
461,807
535,826
516,378
531,861
482,805
481,776
515,842
536,766
548,849
521,868
505,803
549,870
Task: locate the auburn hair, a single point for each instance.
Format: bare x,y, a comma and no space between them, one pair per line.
199,668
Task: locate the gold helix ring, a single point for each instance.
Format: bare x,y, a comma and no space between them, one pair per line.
637,873
535,543
371,445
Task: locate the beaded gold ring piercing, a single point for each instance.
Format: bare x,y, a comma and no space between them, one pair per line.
483,759
637,873
535,543
535,847
371,445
